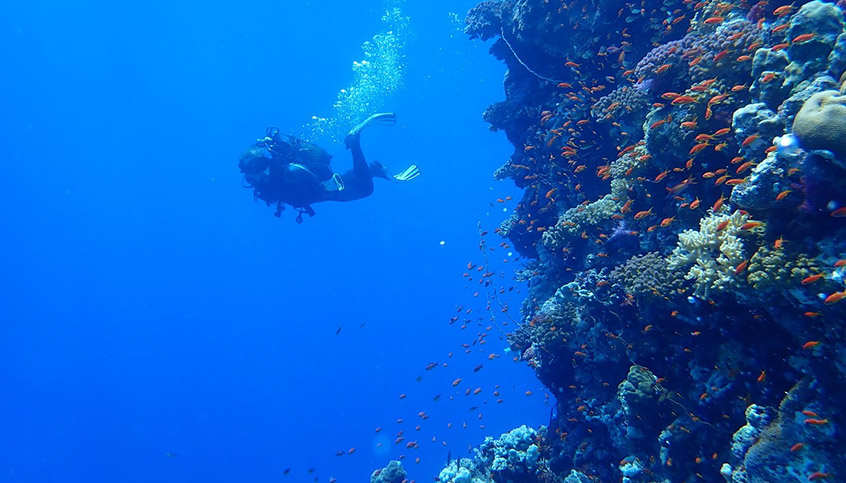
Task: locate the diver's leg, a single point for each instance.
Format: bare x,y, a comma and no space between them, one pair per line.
356,187
360,168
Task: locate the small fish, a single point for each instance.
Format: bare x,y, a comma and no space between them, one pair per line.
810,345
698,147
740,268
839,213
796,447
812,278
816,422
750,225
803,38
663,68
643,214
762,376
683,100
783,10
777,47
783,195
714,20
834,298
818,475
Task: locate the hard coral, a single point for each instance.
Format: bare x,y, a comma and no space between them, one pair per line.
649,275
821,123
715,252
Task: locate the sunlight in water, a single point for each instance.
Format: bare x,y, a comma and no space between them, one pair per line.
376,77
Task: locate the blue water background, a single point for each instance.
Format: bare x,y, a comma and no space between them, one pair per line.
149,307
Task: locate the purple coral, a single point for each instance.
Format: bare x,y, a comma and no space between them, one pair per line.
692,56
484,21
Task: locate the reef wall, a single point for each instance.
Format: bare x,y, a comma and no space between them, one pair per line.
684,213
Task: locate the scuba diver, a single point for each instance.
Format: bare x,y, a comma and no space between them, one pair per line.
284,170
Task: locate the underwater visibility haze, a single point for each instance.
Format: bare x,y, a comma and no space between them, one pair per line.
604,241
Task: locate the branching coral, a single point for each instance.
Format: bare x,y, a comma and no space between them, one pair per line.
716,252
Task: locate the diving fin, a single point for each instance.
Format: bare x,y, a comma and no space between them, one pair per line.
409,174
379,119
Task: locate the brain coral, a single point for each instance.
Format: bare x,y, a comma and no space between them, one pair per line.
821,123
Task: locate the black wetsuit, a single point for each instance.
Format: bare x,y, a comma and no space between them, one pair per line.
358,181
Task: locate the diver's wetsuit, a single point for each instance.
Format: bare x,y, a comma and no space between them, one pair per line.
358,182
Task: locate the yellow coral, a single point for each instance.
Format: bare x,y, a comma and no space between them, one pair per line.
715,254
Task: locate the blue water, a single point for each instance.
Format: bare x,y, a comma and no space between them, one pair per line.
158,325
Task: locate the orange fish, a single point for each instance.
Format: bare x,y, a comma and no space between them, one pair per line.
762,377
839,213
767,77
643,214
783,195
722,131
777,47
744,58
812,278
714,20
719,203
663,68
750,225
694,204
783,10
683,100
740,268
735,182
666,221
781,27
669,95
698,147
810,345
796,447
818,475
723,225
803,38
834,298
840,263
816,422
720,55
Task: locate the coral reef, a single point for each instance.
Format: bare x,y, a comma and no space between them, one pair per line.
683,211
393,473
514,456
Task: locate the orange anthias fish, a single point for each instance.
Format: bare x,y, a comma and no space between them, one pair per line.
643,214
683,100
803,38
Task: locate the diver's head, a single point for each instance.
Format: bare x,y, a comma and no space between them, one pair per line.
254,160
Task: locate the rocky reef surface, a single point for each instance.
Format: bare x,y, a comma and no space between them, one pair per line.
683,170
